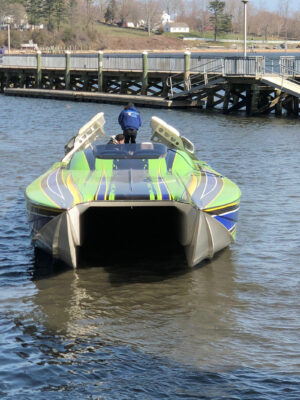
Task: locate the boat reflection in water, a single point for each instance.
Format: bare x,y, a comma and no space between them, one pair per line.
119,307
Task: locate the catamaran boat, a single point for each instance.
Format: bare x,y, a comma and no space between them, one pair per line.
105,193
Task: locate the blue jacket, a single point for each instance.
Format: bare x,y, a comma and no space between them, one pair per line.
130,119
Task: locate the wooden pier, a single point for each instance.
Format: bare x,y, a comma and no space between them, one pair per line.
186,80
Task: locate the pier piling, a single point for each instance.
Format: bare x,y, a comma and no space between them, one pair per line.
100,71
187,68
145,73
67,71
38,69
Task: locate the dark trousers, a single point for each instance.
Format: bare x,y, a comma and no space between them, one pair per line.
130,135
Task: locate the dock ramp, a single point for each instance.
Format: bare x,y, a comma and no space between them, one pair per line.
194,90
279,82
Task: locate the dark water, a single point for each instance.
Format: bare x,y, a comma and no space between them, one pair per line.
227,330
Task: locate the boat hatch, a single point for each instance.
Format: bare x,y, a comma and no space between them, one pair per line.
130,151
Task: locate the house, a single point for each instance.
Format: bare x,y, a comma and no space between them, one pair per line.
128,25
176,27
165,18
29,46
141,24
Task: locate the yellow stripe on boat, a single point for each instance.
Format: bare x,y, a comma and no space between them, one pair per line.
74,191
192,185
236,203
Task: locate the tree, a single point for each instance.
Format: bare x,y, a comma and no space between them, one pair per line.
152,13
283,11
60,12
72,12
111,10
14,9
34,11
49,9
221,21
88,11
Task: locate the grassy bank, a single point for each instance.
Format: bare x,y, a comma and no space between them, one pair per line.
98,36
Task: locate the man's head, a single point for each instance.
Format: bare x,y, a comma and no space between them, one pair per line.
120,138
129,105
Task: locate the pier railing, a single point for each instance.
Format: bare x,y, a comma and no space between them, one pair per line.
156,62
200,75
244,66
134,62
173,63
289,66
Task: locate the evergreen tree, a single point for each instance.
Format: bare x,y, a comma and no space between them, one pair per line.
221,21
48,12
34,10
72,11
110,13
60,12
226,23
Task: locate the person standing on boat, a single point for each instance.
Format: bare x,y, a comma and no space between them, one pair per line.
130,121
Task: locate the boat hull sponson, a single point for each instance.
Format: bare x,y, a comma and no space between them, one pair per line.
199,233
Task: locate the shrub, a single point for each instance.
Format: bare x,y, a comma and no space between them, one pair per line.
39,37
15,39
68,36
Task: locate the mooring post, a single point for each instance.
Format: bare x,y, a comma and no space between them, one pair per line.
38,69
123,84
226,99
248,99
278,105
210,99
187,67
145,73
296,106
100,71
255,92
166,88
67,71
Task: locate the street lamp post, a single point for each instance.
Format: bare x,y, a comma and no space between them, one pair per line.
8,21
245,27
8,37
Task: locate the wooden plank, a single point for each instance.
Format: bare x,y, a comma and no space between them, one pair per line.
146,101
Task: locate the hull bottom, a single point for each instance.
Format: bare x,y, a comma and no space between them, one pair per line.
143,227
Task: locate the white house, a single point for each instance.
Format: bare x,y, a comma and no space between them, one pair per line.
141,24
176,27
29,46
165,18
129,25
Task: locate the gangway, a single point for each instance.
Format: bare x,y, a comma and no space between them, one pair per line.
285,85
211,77
214,76
284,79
